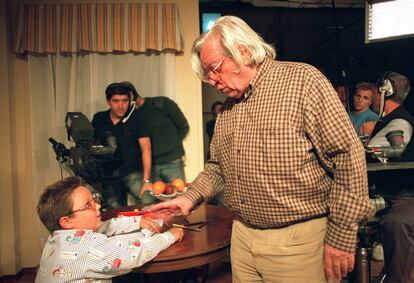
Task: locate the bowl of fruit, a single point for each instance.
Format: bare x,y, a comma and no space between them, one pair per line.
166,191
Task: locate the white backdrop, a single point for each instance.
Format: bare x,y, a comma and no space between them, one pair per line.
61,84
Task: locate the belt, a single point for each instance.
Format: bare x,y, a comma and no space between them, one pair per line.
281,226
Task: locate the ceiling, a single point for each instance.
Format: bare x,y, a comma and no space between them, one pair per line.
295,3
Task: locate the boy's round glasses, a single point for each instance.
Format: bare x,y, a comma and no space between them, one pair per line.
90,205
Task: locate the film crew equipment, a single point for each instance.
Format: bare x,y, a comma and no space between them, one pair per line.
368,235
395,149
84,159
386,84
386,87
78,127
60,150
379,202
80,131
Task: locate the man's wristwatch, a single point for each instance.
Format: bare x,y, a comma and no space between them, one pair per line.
147,181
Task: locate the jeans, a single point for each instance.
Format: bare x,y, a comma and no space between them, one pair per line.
114,190
169,171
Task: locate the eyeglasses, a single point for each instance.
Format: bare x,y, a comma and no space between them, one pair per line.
90,205
216,70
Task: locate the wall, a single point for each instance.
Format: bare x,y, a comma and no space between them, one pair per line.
20,229
189,90
7,226
210,95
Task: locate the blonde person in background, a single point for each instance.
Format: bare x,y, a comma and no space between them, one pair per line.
364,93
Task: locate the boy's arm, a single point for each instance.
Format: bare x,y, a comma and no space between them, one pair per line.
112,256
120,225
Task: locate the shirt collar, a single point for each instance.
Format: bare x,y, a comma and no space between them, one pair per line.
262,69
261,72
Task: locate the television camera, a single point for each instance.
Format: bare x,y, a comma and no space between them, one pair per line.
395,149
84,159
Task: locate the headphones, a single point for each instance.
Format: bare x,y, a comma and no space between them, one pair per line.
123,88
387,89
386,85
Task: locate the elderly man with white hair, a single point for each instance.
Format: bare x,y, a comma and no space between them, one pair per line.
286,158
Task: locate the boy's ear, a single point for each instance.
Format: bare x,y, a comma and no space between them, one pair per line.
66,223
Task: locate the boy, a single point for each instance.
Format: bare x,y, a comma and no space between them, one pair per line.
81,248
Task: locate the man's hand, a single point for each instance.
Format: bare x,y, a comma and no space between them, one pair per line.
147,223
177,206
337,263
145,187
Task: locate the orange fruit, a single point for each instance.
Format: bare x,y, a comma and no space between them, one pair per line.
158,187
179,184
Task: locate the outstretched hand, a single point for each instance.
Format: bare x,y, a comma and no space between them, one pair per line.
337,263
175,207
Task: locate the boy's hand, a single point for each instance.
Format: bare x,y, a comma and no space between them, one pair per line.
178,233
147,223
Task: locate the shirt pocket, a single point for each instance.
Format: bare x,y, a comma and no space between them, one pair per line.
283,150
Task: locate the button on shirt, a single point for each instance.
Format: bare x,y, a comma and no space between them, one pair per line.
287,153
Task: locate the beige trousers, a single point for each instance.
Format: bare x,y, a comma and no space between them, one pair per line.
289,255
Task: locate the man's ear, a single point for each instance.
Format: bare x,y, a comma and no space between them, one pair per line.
66,223
245,53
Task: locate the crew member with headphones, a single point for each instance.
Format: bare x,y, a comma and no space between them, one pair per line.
397,186
129,169
168,126
393,90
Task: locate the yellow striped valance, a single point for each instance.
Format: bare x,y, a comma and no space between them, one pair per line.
97,27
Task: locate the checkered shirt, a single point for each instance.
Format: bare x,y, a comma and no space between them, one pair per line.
287,153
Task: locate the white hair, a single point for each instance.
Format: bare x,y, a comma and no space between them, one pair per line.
233,33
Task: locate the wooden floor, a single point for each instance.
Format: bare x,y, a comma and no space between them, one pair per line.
218,272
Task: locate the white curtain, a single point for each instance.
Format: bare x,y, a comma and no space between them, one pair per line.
76,83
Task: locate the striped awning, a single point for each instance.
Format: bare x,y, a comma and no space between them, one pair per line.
98,27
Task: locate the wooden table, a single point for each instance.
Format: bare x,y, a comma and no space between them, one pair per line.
197,248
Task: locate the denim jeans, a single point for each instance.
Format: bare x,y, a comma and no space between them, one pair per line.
114,192
169,171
